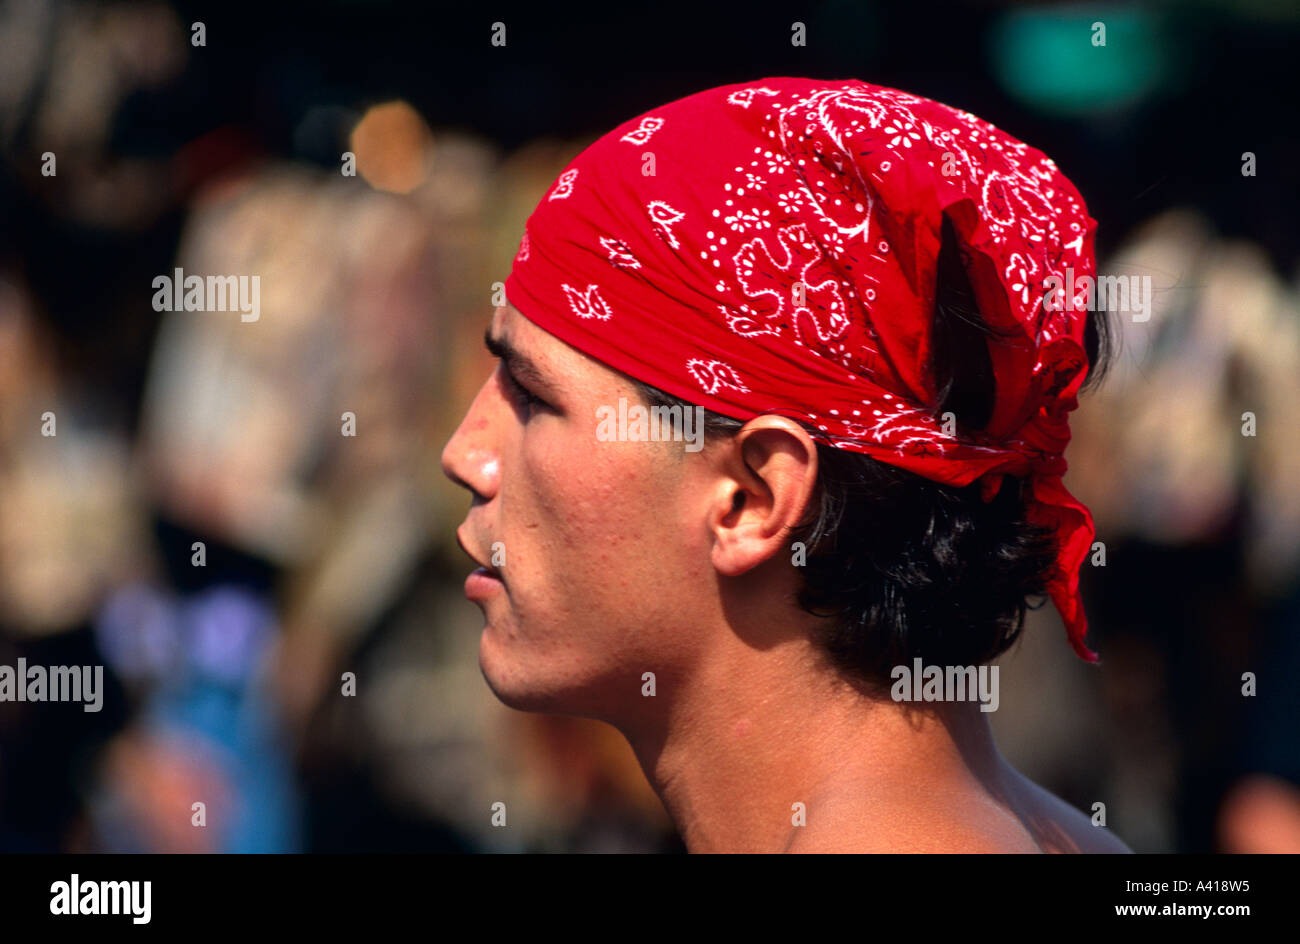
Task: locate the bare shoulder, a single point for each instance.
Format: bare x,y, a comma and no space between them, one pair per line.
1028,819
1059,827
918,823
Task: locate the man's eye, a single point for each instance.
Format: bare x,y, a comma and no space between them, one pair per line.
521,394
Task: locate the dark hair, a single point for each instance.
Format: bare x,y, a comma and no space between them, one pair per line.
902,566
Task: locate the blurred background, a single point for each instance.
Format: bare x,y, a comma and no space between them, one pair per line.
327,554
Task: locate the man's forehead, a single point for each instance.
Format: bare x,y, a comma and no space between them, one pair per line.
508,322
511,325
502,316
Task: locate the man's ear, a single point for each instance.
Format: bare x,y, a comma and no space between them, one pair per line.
768,479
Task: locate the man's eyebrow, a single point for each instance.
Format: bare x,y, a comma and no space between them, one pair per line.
518,364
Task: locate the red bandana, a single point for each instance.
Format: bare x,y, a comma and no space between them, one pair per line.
770,247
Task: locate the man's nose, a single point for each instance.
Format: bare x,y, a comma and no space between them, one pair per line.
471,458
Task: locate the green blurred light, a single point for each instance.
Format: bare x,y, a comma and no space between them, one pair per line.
1046,58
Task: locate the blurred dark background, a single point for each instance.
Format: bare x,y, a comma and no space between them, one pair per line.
327,554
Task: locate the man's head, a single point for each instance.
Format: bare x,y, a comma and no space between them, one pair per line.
878,299
620,557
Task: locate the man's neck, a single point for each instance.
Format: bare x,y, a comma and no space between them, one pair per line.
748,748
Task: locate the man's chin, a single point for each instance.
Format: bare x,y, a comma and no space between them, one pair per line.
518,682
510,679
509,695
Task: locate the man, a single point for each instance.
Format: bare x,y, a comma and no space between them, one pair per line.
805,261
